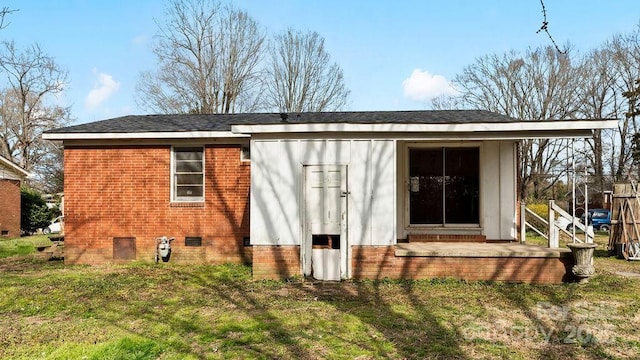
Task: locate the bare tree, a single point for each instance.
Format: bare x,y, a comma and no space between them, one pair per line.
545,28
28,103
538,85
302,77
447,102
3,13
207,60
49,171
598,99
625,50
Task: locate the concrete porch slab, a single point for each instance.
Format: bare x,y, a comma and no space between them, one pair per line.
474,250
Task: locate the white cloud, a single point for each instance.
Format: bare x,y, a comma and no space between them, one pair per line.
139,40
423,86
102,90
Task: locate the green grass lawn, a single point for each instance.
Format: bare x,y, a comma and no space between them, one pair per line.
600,237
169,311
22,246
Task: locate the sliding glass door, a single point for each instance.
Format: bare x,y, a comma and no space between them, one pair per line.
444,185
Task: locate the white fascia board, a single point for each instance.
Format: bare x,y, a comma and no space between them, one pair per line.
143,135
521,126
477,136
470,136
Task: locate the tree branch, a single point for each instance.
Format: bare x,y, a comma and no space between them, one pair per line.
545,28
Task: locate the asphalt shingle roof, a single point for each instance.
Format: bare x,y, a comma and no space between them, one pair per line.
223,122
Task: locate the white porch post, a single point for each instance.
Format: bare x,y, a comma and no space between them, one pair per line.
553,233
523,223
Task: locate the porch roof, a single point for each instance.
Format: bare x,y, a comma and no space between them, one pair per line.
480,128
459,122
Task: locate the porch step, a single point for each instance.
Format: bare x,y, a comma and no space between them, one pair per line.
446,238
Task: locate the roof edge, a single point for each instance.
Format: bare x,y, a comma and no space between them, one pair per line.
522,126
60,136
14,166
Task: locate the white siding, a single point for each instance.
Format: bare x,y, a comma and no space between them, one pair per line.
275,186
508,190
383,169
277,199
490,190
376,201
498,190
360,200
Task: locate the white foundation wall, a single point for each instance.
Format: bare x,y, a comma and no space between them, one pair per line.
277,195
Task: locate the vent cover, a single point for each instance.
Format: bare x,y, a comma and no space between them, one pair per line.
193,241
124,248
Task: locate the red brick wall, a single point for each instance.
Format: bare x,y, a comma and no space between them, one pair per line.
9,208
446,238
378,262
276,262
125,192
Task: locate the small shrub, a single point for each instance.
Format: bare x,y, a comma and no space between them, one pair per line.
34,213
541,209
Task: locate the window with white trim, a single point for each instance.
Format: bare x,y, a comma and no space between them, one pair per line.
245,153
187,174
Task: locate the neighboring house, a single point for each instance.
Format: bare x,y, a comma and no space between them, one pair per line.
11,175
54,200
354,186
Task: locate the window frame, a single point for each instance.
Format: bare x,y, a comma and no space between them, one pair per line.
245,153
446,145
174,174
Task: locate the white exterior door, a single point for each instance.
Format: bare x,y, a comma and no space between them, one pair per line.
325,197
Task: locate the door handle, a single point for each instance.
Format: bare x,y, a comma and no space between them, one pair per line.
345,193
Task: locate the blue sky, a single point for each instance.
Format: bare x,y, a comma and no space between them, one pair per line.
394,54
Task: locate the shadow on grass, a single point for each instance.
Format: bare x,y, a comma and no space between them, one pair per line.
565,321
204,312
218,312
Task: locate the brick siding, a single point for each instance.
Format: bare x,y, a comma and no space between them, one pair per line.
379,262
446,238
276,262
125,192
9,208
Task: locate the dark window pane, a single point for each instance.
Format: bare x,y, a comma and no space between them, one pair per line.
245,154
462,185
425,176
444,186
188,155
189,166
189,179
